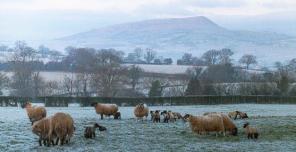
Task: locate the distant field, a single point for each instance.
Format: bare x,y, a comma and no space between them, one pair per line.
166,69
277,124
49,76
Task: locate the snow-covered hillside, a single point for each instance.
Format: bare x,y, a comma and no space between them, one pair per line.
174,36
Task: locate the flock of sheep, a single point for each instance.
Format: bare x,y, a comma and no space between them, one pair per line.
59,128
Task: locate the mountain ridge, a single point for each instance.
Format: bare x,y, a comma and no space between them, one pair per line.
174,36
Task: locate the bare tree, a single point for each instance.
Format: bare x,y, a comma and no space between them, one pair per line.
150,55
248,60
194,72
23,69
3,48
38,84
51,88
225,55
81,61
83,83
187,59
211,57
68,85
109,75
134,75
138,54
4,81
55,56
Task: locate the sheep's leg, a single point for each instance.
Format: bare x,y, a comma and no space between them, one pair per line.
40,141
67,140
62,140
94,134
47,142
256,135
44,142
102,116
57,141
249,135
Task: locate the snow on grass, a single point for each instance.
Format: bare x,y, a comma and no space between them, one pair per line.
275,122
166,69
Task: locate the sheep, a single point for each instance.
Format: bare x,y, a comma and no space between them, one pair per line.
105,109
156,116
62,125
152,115
195,123
206,124
141,110
227,122
90,131
169,116
70,128
34,113
172,117
117,115
166,116
234,115
41,128
251,132
177,115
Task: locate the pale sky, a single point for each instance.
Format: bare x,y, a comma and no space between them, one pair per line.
48,19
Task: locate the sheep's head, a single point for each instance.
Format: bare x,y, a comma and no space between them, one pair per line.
142,105
117,115
244,115
234,132
94,104
157,111
96,125
36,129
186,117
27,105
151,112
246,124
163,112
102,128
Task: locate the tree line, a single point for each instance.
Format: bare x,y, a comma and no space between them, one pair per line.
101,72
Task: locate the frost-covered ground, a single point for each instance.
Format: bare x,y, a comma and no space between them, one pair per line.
165,69
277,124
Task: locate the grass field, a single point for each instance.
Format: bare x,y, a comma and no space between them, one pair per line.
277,125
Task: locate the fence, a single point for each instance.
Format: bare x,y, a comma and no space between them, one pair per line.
184,100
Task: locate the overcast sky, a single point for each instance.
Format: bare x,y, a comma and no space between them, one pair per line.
48,19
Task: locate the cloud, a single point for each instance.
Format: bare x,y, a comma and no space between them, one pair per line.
56,18
135,6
